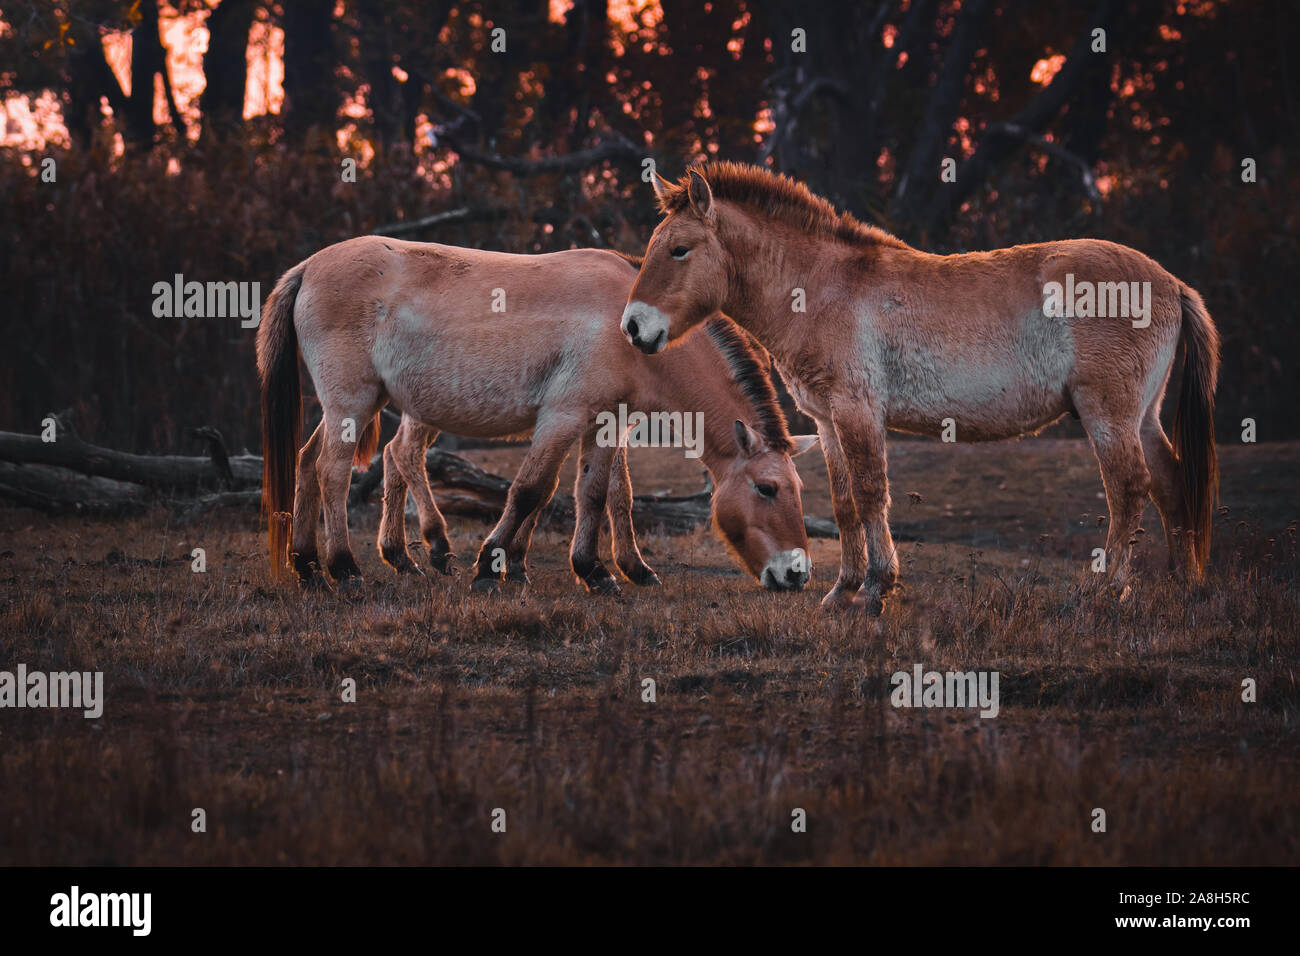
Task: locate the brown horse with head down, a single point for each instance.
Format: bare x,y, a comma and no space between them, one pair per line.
487,344
986,345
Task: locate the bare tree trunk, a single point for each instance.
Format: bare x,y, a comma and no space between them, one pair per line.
941,112
90,78
377,60
146,61
310,92
225,67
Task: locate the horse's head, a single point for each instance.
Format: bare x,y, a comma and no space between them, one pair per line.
758,510
684,276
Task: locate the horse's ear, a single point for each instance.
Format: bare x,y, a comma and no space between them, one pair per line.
701,195
747,440
663,187
803,443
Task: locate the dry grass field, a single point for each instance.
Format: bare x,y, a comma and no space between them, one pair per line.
224,691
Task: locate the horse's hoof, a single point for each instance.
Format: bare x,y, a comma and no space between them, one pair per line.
872,603
486,585
400,561
839,600
606,585
344,566
307,567
315,581
595,577
352,584
643,577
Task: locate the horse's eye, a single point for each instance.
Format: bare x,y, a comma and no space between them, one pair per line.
679,252
766,490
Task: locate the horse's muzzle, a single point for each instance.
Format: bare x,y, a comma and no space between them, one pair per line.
645,327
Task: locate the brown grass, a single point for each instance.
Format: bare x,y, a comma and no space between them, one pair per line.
223,692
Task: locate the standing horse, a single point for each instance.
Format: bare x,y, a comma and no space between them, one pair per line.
492,345
983,342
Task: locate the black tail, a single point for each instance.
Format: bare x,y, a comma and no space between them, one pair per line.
277,366
1193,437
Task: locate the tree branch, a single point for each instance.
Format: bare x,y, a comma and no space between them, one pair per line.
945,99
611,145
1086,175
998,142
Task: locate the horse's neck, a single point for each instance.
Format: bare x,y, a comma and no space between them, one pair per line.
774,271
694,377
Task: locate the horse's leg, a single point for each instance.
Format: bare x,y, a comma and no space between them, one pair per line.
618,505
392,523
853,538
861,436
413,440
1113,429
334,467
590,491
1167,490
306,513
529,492
517,552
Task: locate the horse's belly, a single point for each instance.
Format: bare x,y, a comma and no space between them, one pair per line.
983,422
998,391
458,388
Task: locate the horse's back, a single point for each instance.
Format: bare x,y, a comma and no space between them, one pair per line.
466,339
1001,339
475,287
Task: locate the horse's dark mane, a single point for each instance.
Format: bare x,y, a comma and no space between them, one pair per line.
749,370
634,261
777,196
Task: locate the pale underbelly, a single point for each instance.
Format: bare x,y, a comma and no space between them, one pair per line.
977,424
454,394
968,411
957,415
994,392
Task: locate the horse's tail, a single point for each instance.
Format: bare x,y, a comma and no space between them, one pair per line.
277,366
1193,437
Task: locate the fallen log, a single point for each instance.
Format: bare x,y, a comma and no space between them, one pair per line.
163,472
70,475
61,491
463,488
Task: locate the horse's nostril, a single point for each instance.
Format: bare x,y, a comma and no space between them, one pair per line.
632,327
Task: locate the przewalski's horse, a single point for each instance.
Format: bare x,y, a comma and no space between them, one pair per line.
488,344
893,337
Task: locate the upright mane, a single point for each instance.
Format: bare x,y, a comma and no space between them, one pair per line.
634,261
749,371
776,196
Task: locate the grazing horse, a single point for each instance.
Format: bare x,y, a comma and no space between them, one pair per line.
493,345
871,334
